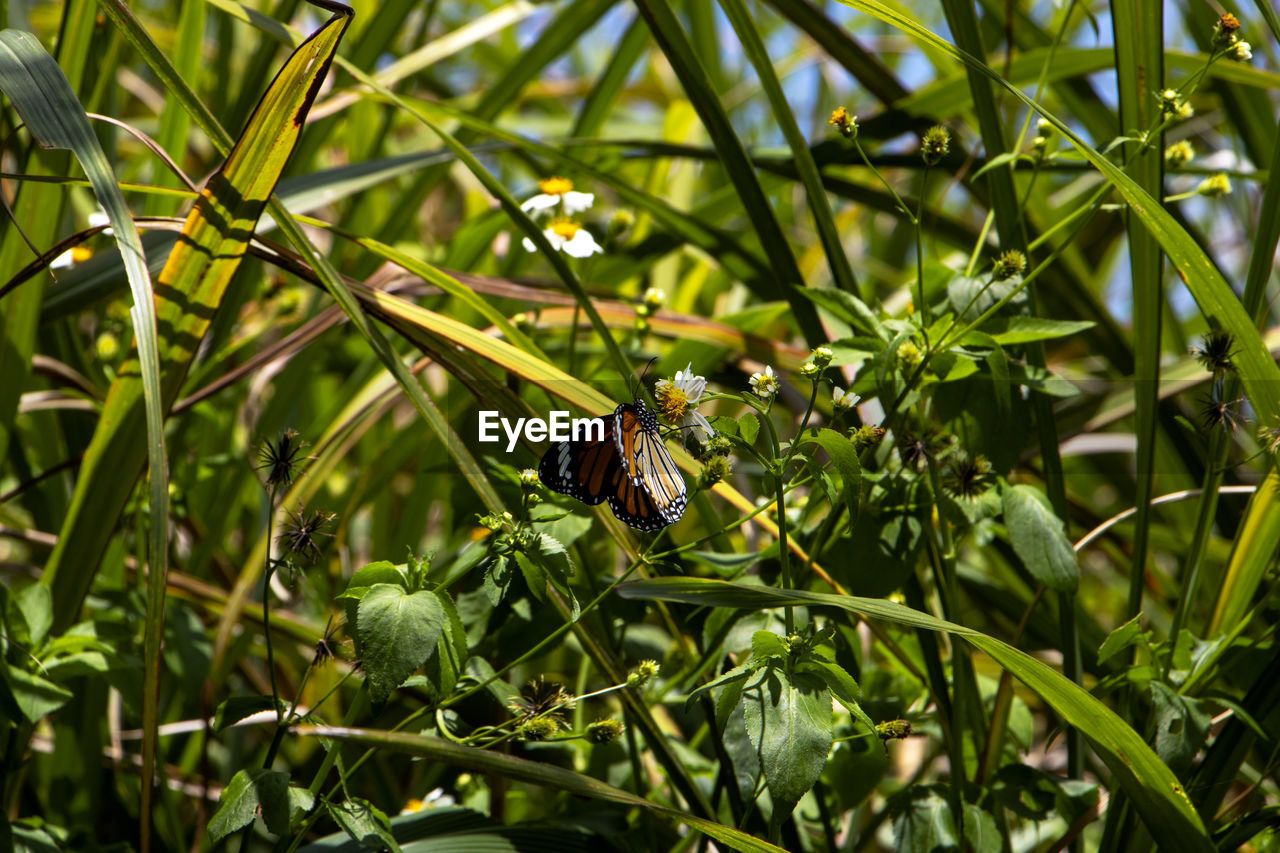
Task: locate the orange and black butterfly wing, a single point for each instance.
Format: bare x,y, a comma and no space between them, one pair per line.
632,504
585,470
647,462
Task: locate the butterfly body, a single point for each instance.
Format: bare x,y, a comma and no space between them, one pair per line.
629,466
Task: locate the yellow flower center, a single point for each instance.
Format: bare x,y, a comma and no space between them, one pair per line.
565,228
80,254
673,402
555,186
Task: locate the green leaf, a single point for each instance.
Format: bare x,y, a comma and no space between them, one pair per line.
34,695
1039,539
841,684
924,821
248,792
550,555
35,602
970,296
397,632
847,307
790,724
766,644
367,825
301,802
1153,789
980,831
845,459
1022,329
749,428
1120,639
1182,725
374,573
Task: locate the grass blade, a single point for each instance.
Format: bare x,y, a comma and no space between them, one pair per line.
42,95
533,772
666,29
819,205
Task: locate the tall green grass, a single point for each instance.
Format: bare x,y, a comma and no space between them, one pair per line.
1018,598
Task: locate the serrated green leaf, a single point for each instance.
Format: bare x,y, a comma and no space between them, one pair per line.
749,428
1039,540
248,792
1182,725
367,825
397,632
845,459
365,577
766,644
791,725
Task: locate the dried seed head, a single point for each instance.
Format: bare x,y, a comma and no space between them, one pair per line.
1226,31
303,533
1214,352
281,458
967,477
1219,413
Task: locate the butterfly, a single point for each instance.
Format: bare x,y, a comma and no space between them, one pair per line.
629,466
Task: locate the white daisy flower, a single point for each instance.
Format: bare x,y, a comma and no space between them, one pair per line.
678,402
569,237
765,385
558,191
843,399
65,261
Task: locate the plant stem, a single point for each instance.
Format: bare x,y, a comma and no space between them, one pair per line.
919,229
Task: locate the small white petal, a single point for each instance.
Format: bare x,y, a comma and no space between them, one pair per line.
576,201
542,201
583,245
98,219
701,426
557,242
528,245
65,261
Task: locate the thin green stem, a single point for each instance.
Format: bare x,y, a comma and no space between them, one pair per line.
918,226
780,494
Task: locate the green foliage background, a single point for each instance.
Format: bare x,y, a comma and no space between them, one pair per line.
1019,598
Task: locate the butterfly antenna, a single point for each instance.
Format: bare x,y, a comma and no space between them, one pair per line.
643,373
